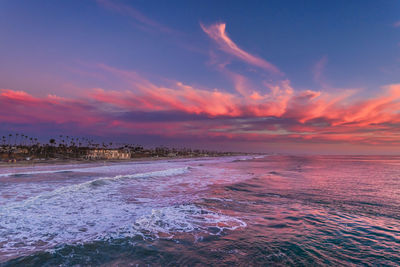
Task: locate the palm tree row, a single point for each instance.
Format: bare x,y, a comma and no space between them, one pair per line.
78,147
18,140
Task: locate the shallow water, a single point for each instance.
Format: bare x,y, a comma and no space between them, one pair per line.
272,210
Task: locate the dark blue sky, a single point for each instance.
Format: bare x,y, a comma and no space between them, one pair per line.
356,37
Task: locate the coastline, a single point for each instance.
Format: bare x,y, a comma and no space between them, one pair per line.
49,162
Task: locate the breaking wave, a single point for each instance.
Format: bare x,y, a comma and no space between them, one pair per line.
98,210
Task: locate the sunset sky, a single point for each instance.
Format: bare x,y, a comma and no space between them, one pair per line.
262,76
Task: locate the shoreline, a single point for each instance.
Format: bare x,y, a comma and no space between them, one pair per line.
49,162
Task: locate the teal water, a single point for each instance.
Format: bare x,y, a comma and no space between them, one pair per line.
244,211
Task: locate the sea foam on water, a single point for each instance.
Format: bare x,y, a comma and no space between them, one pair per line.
100,208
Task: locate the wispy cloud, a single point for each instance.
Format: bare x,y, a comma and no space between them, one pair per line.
396,24
217,33
318,71
144,21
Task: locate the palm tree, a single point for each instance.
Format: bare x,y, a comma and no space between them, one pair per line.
52,141
15,140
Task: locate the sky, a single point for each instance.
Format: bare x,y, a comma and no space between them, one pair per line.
252,76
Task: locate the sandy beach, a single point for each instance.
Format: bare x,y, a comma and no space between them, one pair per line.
50,162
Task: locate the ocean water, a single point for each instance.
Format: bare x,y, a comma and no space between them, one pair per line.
242,210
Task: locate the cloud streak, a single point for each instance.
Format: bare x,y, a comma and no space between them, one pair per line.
318,71
218,33
144,21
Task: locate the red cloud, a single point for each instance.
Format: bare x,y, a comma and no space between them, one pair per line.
306,116
281,114
341,118
20,107
150,97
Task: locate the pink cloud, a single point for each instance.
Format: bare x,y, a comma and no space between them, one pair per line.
17,107
277,112
217,33
396,24
21,107
178,96
342,117
306,116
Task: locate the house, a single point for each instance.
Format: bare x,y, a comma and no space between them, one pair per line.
108,154
20,151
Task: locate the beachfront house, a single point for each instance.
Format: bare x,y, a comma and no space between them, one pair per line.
108,154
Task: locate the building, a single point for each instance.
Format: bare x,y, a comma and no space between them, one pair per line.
108,154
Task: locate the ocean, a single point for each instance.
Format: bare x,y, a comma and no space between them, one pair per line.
272,210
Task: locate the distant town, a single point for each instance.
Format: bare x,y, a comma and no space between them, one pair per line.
20,147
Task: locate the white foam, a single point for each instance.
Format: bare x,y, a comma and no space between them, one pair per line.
243,158
83,187
186,218
23,171
45,229
146,203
